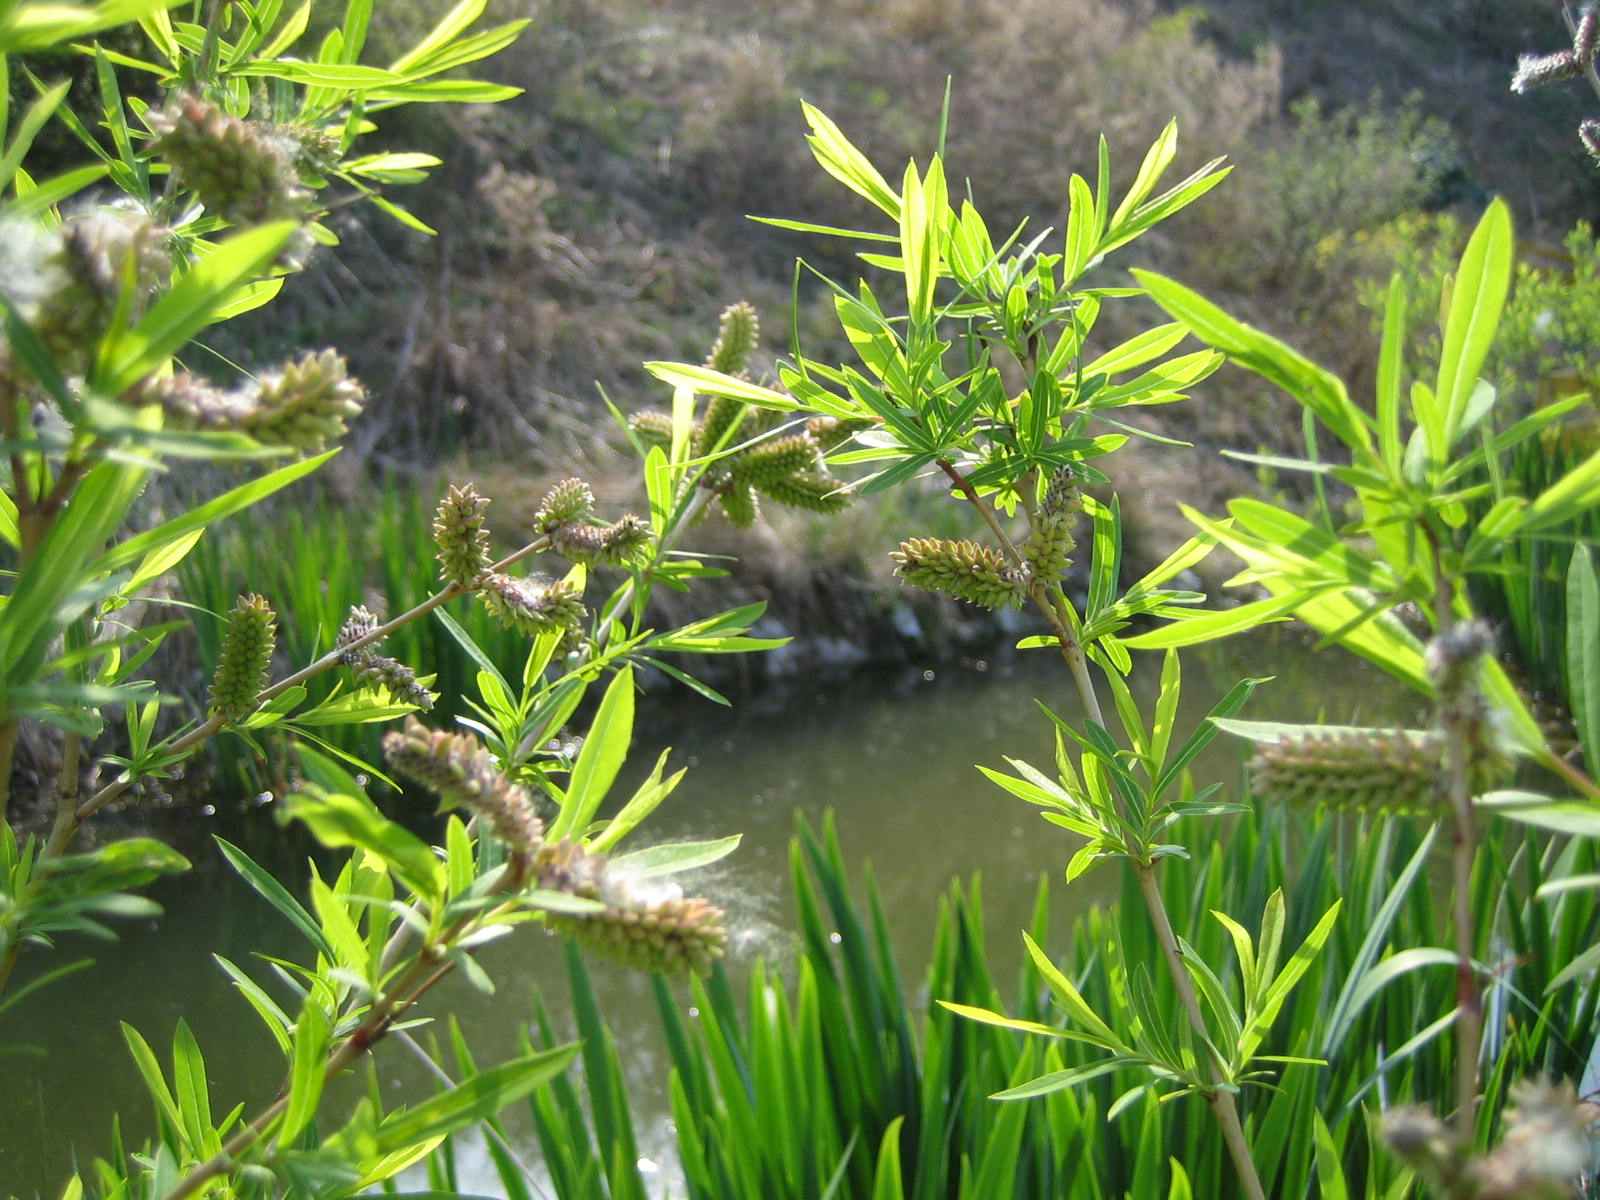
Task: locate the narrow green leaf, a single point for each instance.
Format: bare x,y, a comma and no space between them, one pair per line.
154,1081
276,895
706,382
192,1092
1317,389
886,1180
1082,230
1482,282
676,856
272,1015
1391,366
1330,1162
1575,492
839,158
476,1099
306,1069
27,129
1583,651
403,216
1156,161
1206,626
604,749
1068,996
450,27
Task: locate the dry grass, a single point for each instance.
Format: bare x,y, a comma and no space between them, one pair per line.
599,220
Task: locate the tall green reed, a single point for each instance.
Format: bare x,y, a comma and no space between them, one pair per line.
842,1080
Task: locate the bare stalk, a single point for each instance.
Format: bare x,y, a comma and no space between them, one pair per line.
1218,1097
1469,998
8,748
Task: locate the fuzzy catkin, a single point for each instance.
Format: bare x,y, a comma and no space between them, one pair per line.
618,543
371,669
458,769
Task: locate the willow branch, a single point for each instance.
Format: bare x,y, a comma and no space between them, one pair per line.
333,658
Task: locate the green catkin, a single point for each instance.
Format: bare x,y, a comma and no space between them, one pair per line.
652,427
963,569
371,669
458,769
814,491
458,531
1049,544
773,460
570,500
1388,772
617,544
306,405
719,417
531,607
738,331
242,171
650,928
739,504
246,655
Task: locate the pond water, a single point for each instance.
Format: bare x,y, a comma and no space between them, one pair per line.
890,755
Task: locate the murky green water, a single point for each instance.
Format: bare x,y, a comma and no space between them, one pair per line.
891,756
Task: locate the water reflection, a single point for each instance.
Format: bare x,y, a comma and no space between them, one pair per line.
891,756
